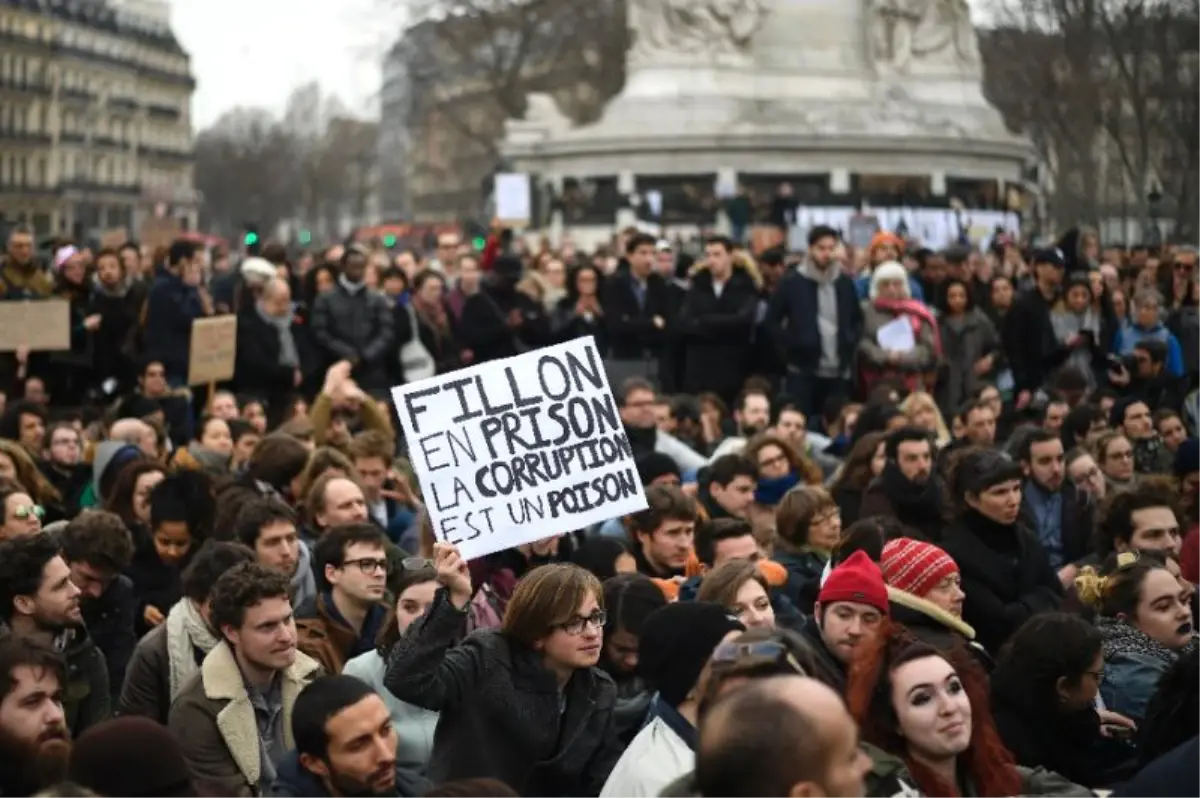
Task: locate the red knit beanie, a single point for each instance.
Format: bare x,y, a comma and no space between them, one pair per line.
915,566
857,580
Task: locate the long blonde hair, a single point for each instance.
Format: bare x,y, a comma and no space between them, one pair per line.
920,400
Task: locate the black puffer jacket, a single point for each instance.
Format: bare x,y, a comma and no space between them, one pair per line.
357,327
499,707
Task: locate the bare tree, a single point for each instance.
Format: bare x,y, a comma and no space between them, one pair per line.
471,65
1107,91
244,169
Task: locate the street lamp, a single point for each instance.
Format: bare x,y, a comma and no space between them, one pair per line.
1153,235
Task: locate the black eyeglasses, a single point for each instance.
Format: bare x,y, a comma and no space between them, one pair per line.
368,565
576,625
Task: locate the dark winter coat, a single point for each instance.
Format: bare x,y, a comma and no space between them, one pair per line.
500,708
961,348
792,316
1005,574
257,371
1030,341
147,687
717,333
892,495
171,308
357,327
86,700
110,621
155,583
632,334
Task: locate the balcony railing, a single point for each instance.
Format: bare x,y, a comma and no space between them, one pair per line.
164,154
109,141
162,111
26,86
93,186
124,103
81,95
71,138
26,136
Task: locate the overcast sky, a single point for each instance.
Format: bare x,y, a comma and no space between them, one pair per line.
254,52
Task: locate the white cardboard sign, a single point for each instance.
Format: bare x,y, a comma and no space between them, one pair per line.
519,449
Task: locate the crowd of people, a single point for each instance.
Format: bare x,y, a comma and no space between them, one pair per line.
917,523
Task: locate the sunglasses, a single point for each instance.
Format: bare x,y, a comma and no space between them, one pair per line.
24,511
765,652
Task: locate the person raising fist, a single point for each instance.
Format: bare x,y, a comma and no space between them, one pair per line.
524,703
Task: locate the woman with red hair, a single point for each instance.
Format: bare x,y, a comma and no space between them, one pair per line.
930,709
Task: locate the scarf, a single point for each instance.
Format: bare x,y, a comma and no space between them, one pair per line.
351,288
917,314
288,355
1122,638
770,492
186,632
434,315
912,501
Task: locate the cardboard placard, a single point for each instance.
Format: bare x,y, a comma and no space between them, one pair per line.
214,350
520,449
43,325
514,199
158,232
114,238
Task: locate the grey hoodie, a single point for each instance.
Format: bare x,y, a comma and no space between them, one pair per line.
304,584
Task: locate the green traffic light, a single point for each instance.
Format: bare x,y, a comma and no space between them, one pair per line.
251,239
305,237
389,241
478,243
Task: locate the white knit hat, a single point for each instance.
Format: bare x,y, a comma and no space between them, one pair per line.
890,270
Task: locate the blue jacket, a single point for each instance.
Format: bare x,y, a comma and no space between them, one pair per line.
171,308
292,780
792,317
1128,336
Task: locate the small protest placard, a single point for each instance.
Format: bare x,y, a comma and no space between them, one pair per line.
42,325
520,449
213,351
514,199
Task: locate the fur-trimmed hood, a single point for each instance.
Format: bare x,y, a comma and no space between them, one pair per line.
917,604
217,695
740,261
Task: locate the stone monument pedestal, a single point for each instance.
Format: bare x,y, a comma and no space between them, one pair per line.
804,87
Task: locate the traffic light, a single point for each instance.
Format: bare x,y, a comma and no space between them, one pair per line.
479,242
304,237
250,239
389,241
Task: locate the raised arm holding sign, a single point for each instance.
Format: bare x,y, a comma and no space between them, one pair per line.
520,449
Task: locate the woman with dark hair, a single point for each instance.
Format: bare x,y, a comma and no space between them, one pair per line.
579,313
630,598
427,316
1145,619
930,709
865,462
1173,715
605,557
1044,689
525,703
1006,573
971,347
130,495
415,588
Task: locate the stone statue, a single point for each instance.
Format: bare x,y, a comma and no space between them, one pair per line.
902,33
662,28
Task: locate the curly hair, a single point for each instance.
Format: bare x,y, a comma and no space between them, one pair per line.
28,474
240,588
809,472
988,764
98,538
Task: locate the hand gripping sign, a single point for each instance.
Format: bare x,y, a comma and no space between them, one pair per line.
520,449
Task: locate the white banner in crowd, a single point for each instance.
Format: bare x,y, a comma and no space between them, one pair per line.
519,449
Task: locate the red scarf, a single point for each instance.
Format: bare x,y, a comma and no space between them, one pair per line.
917,313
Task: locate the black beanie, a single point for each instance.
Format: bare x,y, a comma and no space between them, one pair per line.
676,642
654,465
130,756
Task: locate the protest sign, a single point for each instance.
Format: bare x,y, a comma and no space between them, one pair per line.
41,325
214,350
514,199
520,449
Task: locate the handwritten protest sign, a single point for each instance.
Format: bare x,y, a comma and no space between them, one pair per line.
519,449
42,325
214,350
